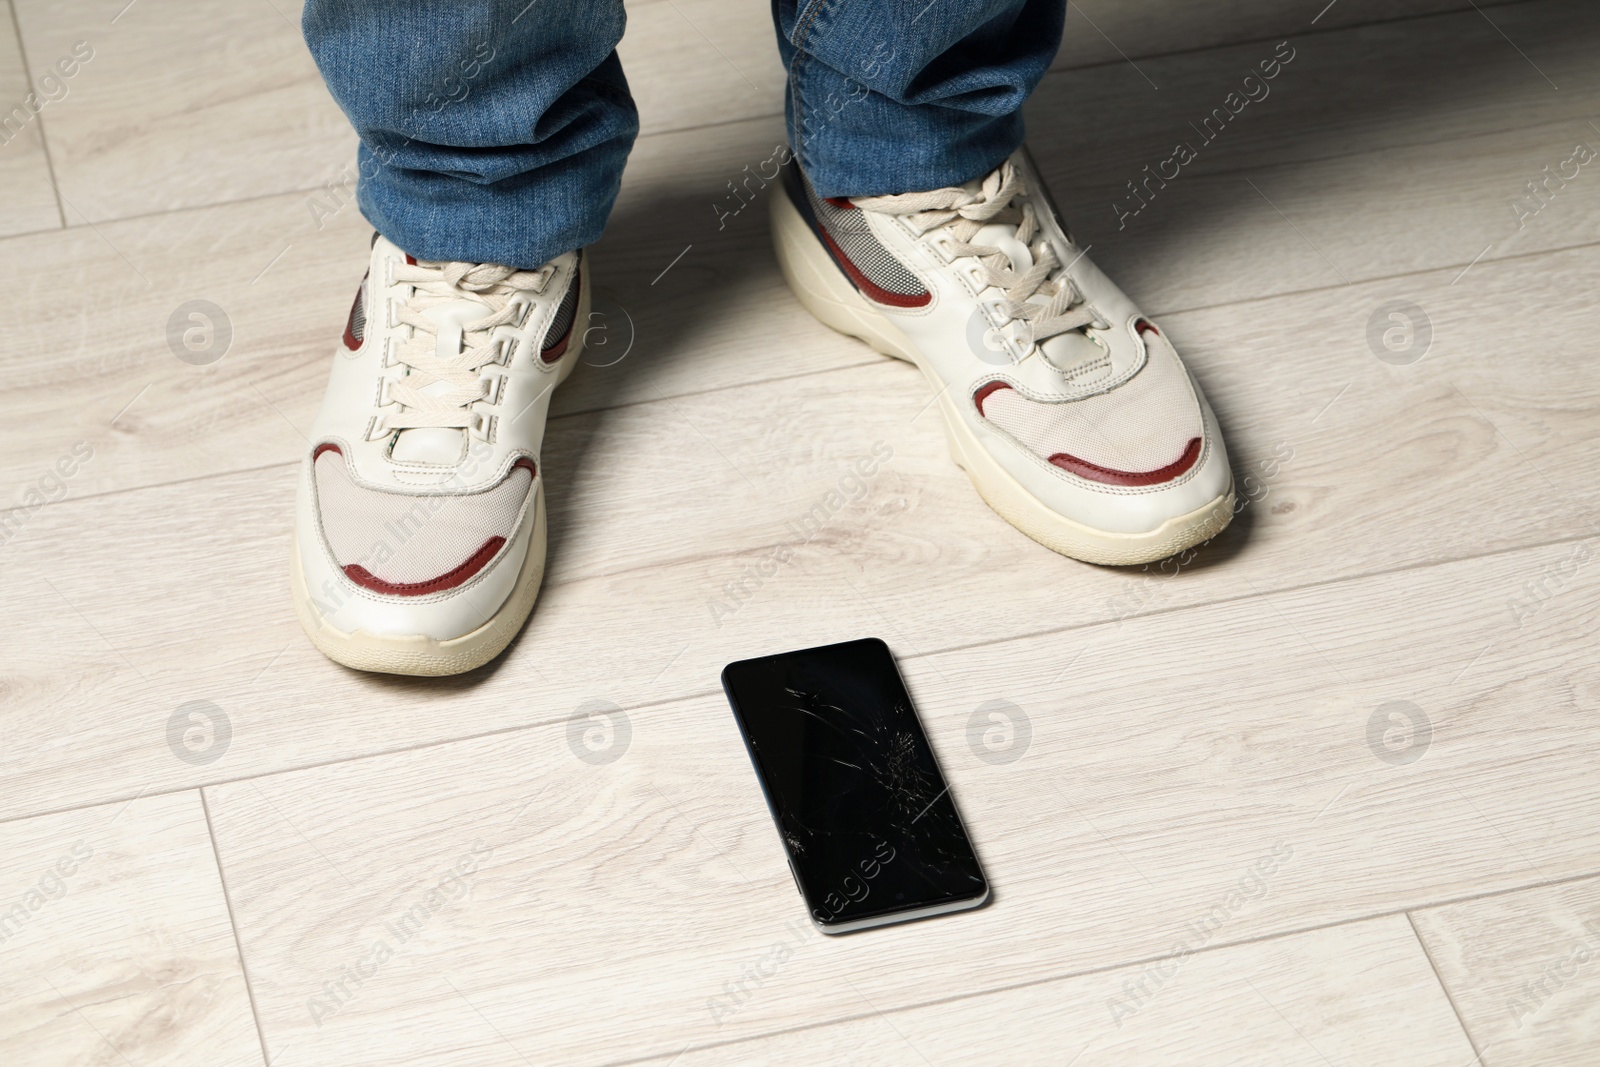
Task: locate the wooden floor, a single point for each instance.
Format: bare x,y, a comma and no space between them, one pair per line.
1345,756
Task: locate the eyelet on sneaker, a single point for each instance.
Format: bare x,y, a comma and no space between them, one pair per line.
424,603
1012,343
1081,451
994,310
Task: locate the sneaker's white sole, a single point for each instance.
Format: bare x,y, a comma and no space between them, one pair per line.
420,654
822,289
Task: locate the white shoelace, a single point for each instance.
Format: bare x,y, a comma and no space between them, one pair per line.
964,213
489,284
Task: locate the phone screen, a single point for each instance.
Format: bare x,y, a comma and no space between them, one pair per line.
869,824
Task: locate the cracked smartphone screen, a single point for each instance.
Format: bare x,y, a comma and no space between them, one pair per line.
869,824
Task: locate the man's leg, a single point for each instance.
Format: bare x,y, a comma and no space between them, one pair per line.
492,142
887,96
915,222
492,131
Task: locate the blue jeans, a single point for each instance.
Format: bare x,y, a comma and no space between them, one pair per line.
496,130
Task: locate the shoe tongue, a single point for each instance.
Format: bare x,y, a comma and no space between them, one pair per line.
430,444
440,444
1067,350
1064,350
1004,237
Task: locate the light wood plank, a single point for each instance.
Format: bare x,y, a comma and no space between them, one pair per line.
1329,222
117,944
1169,759
609,904
1354,994
278,285
27,201
658,540
1390,85
231,105
283,276
1107,32
691,63
1522,970
272,266
186,102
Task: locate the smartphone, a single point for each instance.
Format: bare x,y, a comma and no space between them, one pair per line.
867,820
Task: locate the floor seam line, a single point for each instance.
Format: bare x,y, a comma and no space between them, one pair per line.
700,694
1109,968
1461,1020
233,924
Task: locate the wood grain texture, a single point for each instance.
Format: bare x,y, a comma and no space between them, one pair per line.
116,942
273,267
192,104
1167,759
690,299
283,276
1329,222
693,63
1354,994
184,104
1522,971
1366,89
273,283
668,521
1103,32
27,201
1374,679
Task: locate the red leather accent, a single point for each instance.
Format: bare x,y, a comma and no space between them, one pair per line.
865,284
528,465
411,261
843,203
326,446
1109,476
350,340
448,580
983,394
1146,324
559,349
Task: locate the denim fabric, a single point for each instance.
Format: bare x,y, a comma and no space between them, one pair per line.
496,130
897,96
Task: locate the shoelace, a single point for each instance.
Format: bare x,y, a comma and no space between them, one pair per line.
964,214
489,284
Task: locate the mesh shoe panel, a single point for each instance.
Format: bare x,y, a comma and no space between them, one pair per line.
355,328
403,539
847,228
555,338
1144,424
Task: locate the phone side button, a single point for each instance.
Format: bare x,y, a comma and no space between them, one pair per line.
796,876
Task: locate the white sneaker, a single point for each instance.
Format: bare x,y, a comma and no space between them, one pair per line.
1069,410
420,525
